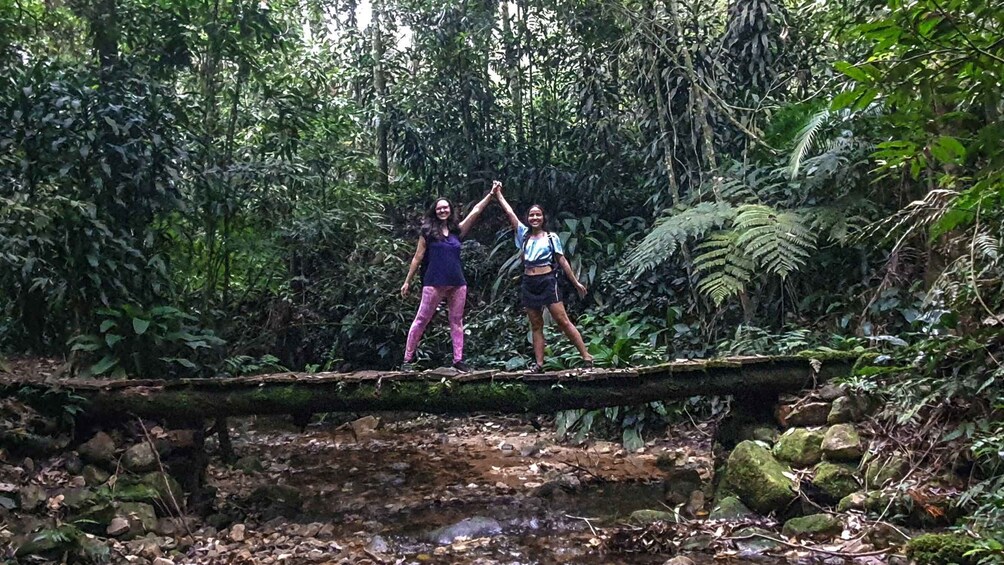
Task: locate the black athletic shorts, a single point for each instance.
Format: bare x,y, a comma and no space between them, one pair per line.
538,291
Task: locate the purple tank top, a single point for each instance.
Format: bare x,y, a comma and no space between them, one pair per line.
444,267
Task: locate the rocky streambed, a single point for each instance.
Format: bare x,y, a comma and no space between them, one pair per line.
411,488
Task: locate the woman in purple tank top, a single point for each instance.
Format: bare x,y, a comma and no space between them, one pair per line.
439,250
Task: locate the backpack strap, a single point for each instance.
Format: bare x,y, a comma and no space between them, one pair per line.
550,243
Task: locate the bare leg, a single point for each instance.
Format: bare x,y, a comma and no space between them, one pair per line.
568,328
537,327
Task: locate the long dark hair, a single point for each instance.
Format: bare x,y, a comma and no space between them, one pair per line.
432,227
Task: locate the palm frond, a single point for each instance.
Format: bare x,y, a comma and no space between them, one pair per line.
804,141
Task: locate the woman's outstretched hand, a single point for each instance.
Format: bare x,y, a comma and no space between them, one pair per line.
581,289
496,188
404,290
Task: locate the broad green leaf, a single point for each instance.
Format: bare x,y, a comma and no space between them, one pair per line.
139,325
102,366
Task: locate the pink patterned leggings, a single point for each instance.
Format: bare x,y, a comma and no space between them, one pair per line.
432,296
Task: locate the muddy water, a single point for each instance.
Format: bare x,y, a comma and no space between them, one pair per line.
390,489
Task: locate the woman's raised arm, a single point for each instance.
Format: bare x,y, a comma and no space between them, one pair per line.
467,223
497,190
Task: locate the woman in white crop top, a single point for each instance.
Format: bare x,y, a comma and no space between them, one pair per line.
542,254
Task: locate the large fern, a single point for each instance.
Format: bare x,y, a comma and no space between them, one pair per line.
674,229
777,240
724,267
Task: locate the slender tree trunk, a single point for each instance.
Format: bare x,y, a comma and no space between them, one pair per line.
696,92
380,86
512,73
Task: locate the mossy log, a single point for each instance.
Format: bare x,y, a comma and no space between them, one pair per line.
443,391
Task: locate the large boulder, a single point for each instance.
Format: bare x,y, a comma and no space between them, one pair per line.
844,410
842,443
800,446
758,479
836,480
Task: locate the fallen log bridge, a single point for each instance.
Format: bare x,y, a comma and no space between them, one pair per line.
749,379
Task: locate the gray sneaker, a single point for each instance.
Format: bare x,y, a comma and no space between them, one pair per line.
408,367
461,367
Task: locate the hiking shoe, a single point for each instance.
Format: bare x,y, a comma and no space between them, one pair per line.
588,365
534,368
461,366
408,367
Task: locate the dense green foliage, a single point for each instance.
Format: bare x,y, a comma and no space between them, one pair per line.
197,187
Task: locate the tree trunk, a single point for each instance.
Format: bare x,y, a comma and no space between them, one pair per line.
192,400
380,86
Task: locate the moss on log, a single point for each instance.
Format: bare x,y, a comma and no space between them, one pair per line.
189,400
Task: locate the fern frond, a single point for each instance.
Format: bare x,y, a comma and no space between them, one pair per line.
987,246
777,240
834,223
673,230
724,267
804,141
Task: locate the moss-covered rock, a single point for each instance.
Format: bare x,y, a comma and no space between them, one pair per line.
844,411
758,479
730,508
645,517
842,443
815,526
940,549
880,471
836,480
141,517
799,446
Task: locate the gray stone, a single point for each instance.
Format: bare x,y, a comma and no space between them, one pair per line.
815,526
77,498
765,434
844,411
645,517
118,527
829,392
842,443
880,471
679,483
755,541
162,561
679,560
249,464
100,449
32,496
94,476
365,427
476,527
141,516
731,508
140,458
799,446
807,414
758,479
